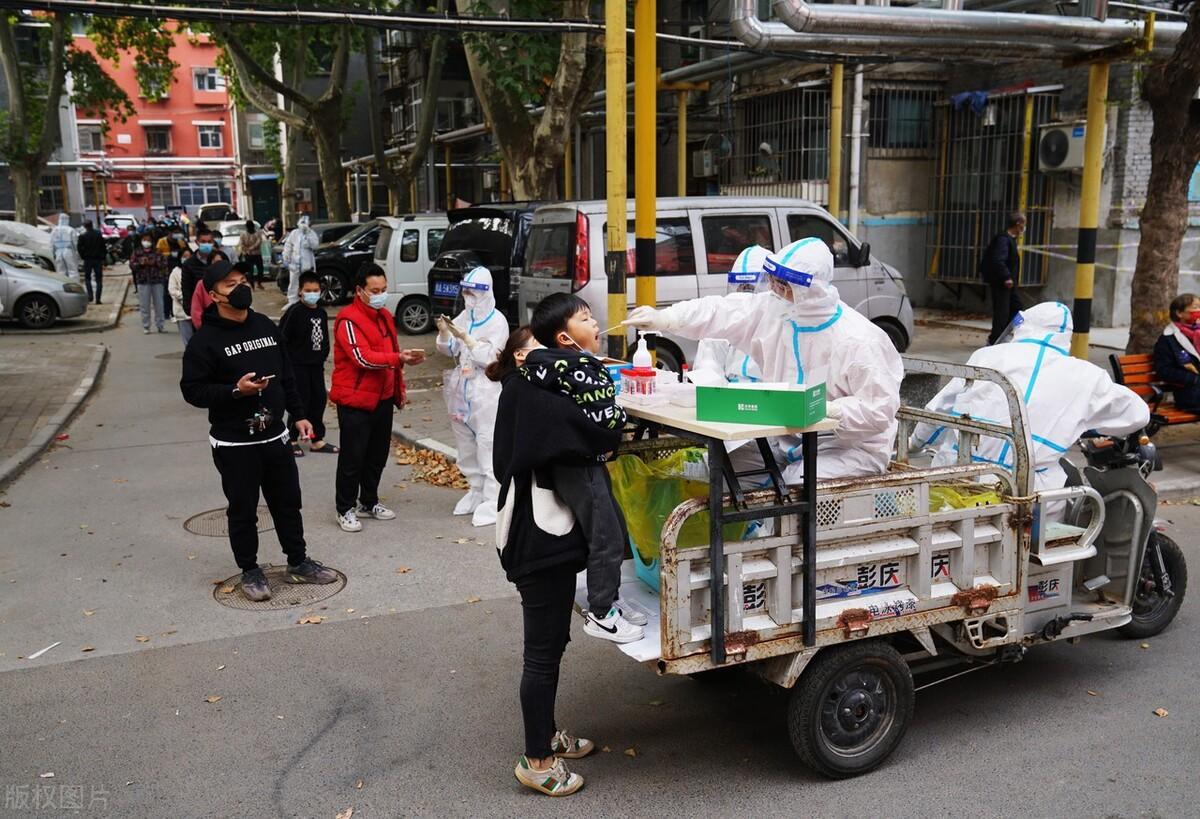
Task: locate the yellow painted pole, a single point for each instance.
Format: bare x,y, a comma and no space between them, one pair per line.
412,195
616,173
449,178
391,202
944,151
1089,207
645,87
1026,154
836,86
681,158
569,166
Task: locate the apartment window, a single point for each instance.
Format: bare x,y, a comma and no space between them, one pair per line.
256,135
160,87
162,194
784,138
158,139
207,79
91,139
901,120
194,194
50,195
210,135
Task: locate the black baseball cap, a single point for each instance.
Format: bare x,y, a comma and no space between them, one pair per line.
216,273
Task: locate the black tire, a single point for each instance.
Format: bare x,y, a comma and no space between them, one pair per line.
850,708
414,316
335,289
894,332
1153,611
36,312
668,357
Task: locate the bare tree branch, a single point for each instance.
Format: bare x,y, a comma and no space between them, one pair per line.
250,72
341,64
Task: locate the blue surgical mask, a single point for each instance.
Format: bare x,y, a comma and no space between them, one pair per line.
377,300
310,298
204,247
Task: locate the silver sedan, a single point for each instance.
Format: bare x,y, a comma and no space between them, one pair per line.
35,297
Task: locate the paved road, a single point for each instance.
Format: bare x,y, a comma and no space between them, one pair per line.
414,691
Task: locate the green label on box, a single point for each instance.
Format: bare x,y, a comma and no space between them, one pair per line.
789,405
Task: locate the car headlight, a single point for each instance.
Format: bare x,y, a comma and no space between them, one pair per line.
72,287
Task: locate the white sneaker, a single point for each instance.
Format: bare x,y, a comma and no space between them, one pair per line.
349,522
632,615
468,503
612,627
378,511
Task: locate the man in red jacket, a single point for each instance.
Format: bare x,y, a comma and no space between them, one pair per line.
368,379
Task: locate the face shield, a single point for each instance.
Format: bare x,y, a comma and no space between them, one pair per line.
1050,320
746,274
800,272
475,294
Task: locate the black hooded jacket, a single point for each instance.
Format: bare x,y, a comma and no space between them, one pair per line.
219,354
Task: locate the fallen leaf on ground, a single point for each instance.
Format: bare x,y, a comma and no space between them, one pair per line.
213,698
655,703
462,540
358,784
606,750
474,599
279,716
403,570
191,557
1092,693
227,589
431,467
631,752
46,775
345,814
168,633
120,480
349,611
218,581
88,648
220,668
312,619
142,638
1145,645
88,612
1161,712
4,504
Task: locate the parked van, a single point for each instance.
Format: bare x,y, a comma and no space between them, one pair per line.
697,240
406,249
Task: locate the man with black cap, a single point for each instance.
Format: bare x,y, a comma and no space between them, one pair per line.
236,367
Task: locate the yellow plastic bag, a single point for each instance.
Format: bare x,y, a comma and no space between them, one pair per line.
648,492
962,497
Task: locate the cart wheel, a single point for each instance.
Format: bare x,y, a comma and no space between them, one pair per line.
850,708
1153,610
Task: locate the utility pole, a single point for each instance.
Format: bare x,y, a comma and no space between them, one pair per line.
615,259
645,129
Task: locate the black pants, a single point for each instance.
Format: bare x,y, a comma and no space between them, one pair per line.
546,601
271,468
1006,303
310,381
93,268
255,261
366,442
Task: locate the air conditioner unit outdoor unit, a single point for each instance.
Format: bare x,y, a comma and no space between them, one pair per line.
1060,147
304,194
704,164
135,187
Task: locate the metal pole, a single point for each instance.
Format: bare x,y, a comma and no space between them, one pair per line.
370,190
1089,207
1026,153
569,166
836,84
681,158
615,258
449,178
645,82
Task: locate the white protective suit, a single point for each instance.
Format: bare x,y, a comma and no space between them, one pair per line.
1064,397
62,244
811,338
298,255
745,278
471,397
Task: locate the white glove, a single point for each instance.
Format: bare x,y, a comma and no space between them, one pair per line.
833,411
646,318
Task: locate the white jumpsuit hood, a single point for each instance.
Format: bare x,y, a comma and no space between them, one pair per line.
471,397
1064,397
814,337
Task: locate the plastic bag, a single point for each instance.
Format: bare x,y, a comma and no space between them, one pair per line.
454,390
648,492
962,497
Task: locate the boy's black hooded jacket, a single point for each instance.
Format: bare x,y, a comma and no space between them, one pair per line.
537,429
219,354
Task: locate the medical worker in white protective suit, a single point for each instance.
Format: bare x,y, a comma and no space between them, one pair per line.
1064,397
62,245
299,256
799,331
717,354
474,339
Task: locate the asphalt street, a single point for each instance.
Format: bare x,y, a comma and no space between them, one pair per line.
403,701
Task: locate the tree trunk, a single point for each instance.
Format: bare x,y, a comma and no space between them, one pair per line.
25,193
327,142
288,183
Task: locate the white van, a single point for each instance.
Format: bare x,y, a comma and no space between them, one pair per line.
697,240
406,249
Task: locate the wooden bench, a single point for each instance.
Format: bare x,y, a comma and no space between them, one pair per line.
1137,373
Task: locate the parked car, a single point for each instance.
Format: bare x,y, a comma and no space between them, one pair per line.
328,234
28,255
37,298
492,236
406,249
120,221
30,239
231,233
697,240
216,212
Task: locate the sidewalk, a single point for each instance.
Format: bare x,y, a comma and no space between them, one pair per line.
99,317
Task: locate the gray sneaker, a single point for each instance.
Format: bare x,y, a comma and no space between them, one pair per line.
310,571
255,587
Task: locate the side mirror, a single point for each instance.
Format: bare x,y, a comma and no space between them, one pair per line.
864,254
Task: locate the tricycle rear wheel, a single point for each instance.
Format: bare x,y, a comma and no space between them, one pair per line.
1153,610
850,708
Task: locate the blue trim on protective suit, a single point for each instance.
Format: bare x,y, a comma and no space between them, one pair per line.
814,328
745,370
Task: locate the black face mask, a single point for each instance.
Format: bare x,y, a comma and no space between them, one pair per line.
240,297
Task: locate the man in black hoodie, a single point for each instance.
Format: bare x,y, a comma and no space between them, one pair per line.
237,368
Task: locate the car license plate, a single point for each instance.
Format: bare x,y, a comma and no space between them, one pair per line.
445,289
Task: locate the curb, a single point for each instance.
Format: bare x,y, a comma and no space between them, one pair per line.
13,466
431,444
967,328
1178,488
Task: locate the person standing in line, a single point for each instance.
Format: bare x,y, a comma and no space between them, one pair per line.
170,245
1001,270
92,249
368,380
249,249
305,330
193,269
62,246
237,368
299,256
149,270
183,319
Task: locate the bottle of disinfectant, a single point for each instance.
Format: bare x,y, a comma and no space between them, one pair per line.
639,380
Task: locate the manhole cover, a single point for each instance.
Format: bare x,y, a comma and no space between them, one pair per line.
170,356
284,595
214,523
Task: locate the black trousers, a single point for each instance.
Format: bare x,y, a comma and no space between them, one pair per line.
255,260
547,598
93,269
1006,303
271,469
310,381
366,442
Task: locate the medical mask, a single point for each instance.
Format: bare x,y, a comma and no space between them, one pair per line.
377,300
146,245
204,247
240,297
177,237
310,298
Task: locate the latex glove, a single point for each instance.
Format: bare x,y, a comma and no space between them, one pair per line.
646,318
457,332
443,327
833,411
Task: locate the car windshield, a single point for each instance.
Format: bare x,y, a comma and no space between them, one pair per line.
356,234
